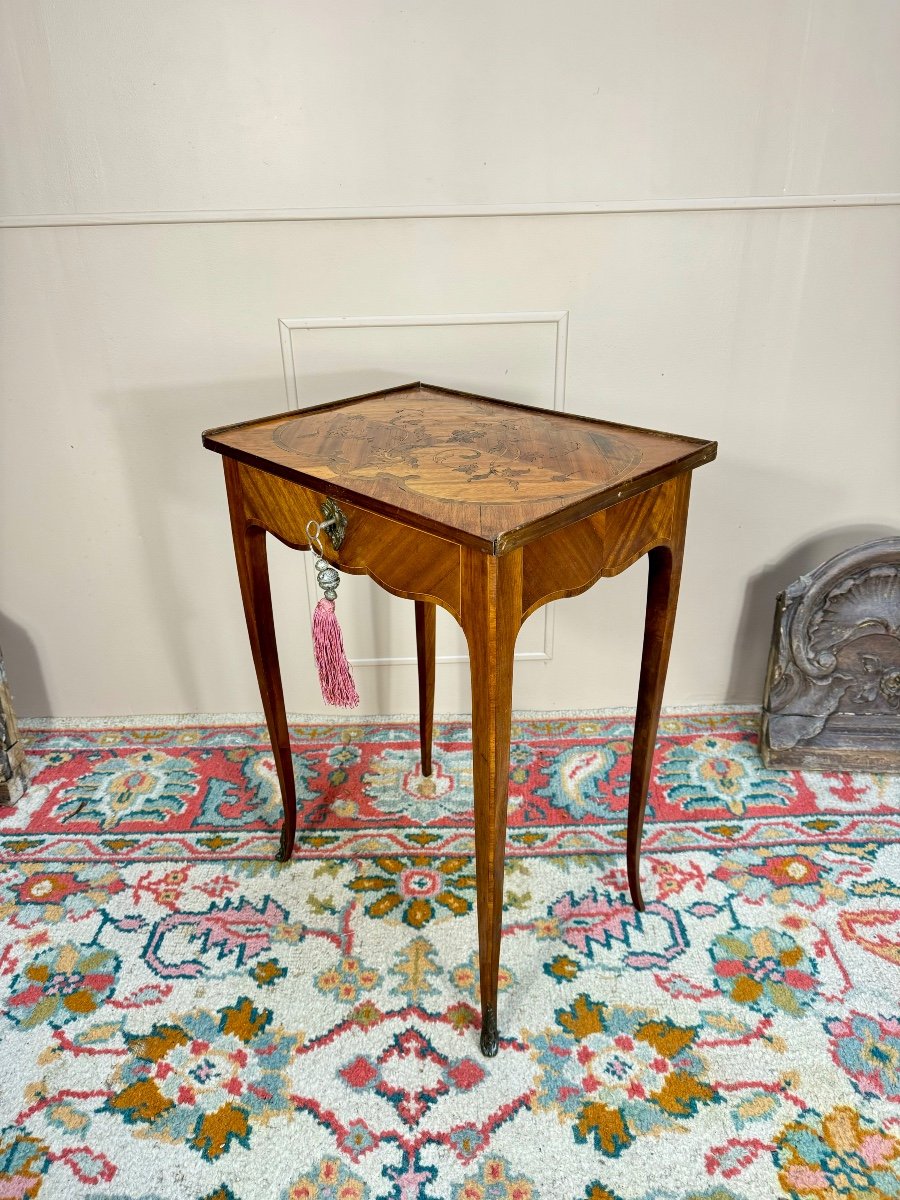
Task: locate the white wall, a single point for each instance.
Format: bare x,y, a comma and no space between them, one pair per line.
713,190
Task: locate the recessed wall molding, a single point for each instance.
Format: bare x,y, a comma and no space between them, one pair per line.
557,317
202,216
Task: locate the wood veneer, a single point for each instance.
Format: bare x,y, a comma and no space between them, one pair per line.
489,509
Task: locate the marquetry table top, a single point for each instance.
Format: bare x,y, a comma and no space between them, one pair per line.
467,467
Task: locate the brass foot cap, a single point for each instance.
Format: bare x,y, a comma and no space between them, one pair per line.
489,1037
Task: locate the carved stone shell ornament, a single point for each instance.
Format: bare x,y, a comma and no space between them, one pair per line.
833,686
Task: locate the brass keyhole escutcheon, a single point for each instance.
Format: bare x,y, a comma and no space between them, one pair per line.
334,522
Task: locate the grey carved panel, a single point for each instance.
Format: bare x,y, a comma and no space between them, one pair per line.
833,687
13,774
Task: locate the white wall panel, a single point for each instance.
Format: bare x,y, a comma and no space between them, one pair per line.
773,330
293,104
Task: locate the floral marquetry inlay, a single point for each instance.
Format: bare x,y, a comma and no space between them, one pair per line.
450,450
474,470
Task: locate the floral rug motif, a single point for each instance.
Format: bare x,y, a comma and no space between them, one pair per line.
184,1018
128,794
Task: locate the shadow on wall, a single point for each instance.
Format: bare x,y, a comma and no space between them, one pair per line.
23,670
754,633
177,498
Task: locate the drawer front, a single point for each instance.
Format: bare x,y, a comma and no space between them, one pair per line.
408,562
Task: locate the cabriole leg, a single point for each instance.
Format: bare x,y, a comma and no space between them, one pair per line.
425,649
253,573
662,598
491,617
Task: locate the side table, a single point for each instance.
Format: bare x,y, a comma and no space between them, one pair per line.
490,509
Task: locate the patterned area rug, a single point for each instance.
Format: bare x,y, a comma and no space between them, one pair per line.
184,1018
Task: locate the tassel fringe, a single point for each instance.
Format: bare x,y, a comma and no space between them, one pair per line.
335,677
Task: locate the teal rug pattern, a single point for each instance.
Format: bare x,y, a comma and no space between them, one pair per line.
181,1017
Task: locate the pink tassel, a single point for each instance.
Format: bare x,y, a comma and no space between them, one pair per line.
335,677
